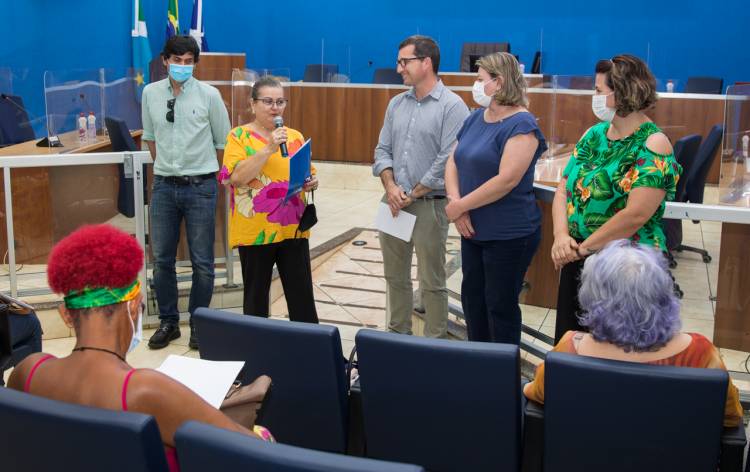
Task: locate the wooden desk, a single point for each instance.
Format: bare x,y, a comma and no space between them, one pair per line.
466,79
49,203
732,317
344,120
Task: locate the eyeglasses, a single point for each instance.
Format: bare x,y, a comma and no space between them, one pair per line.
405,60
269,102
170,108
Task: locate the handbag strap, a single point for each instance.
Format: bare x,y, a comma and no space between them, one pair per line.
350,366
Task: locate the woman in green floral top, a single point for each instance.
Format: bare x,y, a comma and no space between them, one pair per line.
617,181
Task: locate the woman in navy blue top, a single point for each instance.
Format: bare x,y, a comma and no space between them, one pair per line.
489,180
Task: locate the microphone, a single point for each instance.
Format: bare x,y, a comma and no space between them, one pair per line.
278,123
51,141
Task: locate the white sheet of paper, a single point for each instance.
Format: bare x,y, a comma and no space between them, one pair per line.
401,226
210,380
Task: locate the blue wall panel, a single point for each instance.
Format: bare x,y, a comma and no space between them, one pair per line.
678,38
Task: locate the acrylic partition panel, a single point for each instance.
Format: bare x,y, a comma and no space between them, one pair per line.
122,89
570,112
242,87
70,97
734,183
284,74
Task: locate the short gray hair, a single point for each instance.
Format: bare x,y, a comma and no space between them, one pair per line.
627,295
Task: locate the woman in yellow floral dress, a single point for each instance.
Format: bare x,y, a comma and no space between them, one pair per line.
616,183
262,225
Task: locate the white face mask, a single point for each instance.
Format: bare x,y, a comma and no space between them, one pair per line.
137,332
482,99
600,108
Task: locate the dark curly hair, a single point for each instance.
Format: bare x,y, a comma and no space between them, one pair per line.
631,80
94,256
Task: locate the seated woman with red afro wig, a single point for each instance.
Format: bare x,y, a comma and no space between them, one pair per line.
96,269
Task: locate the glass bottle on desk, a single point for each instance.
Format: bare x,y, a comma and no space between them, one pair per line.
82,129
670,86
91,127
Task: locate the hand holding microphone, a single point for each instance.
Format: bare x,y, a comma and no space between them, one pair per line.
279,136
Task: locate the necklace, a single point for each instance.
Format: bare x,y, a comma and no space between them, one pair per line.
88,348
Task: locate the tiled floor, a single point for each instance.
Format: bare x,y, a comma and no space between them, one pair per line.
350,290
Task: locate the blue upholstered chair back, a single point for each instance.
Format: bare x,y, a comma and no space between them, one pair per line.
119,134
622,416
201,447
387,75
122,141
445,405
308,403
320,72
702,164
704,85
42,434
14,122
685,150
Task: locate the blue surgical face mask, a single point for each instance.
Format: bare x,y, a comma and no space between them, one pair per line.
180,73
137,331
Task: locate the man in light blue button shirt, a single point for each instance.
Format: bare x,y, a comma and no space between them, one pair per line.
418,134
185,125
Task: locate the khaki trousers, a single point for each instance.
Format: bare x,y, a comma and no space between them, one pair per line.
429,237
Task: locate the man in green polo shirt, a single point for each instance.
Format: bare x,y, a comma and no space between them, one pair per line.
185,125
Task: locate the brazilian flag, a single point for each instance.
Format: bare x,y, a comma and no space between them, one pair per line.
173,22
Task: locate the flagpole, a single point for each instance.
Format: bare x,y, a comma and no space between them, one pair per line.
135,16
199,26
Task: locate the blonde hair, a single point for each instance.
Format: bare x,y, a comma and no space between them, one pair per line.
512,92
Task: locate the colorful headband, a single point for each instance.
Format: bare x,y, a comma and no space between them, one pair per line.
101,296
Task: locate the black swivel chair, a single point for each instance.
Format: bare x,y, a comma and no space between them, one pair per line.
623,416
685,150
387,76
473,51
320,72
705,85
119,135
696,181
536,65
14,121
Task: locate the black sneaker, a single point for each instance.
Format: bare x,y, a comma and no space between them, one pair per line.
166,332
193,343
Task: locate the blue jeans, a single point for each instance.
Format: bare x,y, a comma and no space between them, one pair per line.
170,203
493,273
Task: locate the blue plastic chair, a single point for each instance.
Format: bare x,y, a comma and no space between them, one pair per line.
387,76
201,447
307,405
623,416
42,434
704,85
320,72
445,405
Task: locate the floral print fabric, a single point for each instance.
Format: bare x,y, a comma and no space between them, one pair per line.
258,214
601,174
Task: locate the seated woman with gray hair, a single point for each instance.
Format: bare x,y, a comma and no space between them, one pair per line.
632,314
